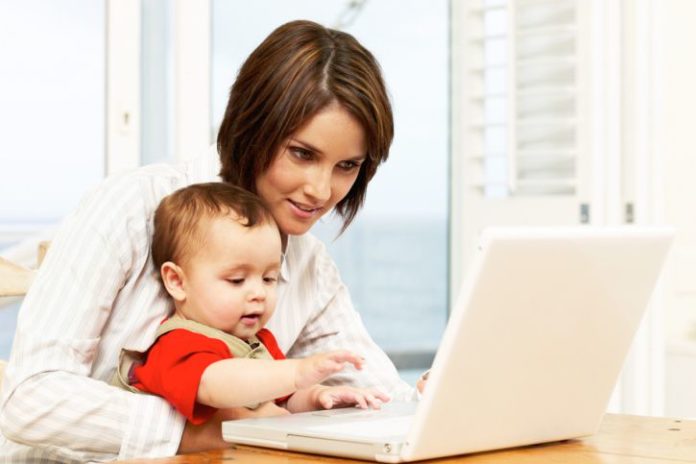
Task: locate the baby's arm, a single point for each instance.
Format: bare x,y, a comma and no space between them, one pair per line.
237,382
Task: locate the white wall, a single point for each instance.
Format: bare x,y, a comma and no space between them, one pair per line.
675,124
675,146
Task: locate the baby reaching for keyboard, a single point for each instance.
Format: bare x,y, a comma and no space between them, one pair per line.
219,252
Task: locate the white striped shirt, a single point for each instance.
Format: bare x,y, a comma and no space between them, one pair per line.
97,291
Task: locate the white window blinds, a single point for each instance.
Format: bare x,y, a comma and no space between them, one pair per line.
521,92
521,102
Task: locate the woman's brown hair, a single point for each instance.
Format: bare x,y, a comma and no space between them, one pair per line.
298,70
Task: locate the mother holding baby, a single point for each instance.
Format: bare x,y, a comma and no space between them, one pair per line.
307,124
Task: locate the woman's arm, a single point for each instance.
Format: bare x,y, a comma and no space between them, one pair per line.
336,324
51,400
208,436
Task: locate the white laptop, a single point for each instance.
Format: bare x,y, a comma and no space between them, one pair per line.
531,353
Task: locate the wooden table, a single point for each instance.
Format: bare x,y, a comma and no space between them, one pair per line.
621,439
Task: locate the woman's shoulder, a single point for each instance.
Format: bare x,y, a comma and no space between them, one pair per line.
146,182
121,208
136,193
118,212
141,189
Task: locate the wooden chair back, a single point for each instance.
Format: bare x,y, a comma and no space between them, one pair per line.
15,281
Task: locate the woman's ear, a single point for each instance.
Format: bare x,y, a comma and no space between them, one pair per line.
173,279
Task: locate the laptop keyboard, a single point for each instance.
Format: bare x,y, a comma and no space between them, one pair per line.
349,412
366,427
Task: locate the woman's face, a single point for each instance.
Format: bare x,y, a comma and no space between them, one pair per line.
313,170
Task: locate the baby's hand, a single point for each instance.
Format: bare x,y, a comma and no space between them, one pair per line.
340,396
314,369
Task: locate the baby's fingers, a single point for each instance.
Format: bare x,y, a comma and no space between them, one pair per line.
330,366
326,401
341,396
380,395
359,400
343,356
375,398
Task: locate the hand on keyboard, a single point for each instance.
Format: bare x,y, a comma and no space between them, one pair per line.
344,395
311,396
314,369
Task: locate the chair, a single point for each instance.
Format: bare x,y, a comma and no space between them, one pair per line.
15,281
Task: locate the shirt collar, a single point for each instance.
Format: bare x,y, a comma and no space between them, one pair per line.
284,270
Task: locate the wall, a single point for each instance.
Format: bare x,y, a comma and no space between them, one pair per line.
675,147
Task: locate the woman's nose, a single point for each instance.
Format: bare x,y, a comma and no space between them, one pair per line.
318,184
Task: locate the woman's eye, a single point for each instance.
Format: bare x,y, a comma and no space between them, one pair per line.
348,165
301,153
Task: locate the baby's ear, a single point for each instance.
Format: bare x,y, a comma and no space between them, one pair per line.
173,279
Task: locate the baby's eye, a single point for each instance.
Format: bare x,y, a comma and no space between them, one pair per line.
270,280
236,281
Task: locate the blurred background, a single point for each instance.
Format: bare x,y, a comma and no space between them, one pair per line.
507,112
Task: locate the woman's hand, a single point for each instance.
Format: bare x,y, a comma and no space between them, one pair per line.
208,436
312,370
340,396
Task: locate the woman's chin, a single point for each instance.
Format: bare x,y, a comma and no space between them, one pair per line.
296,230
296,227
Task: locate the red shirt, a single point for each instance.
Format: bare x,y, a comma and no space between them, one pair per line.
175,364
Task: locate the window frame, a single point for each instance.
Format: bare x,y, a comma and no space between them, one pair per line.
192,35
614,38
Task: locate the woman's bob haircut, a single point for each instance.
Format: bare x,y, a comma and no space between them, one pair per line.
298,70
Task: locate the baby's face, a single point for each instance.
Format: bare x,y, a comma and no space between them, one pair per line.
231,277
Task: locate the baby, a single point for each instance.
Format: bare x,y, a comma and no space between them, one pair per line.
219,250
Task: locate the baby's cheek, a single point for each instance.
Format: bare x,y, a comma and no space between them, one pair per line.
271,301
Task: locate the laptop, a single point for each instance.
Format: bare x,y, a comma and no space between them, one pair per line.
531,353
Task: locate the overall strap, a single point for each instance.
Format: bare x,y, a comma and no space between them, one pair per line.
239,348
129,359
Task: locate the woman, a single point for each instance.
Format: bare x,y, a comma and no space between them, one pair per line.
307,124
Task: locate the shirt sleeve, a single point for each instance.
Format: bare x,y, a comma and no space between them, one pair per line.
337,325
49,400
174,367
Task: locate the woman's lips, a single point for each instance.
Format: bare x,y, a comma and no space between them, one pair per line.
303,211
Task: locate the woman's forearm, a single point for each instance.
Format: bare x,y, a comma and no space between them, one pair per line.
78,418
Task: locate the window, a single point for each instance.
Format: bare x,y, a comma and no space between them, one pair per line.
528,99
157,82
538,91
522,97
52,114
394,257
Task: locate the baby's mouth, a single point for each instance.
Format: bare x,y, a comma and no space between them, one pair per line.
250,319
